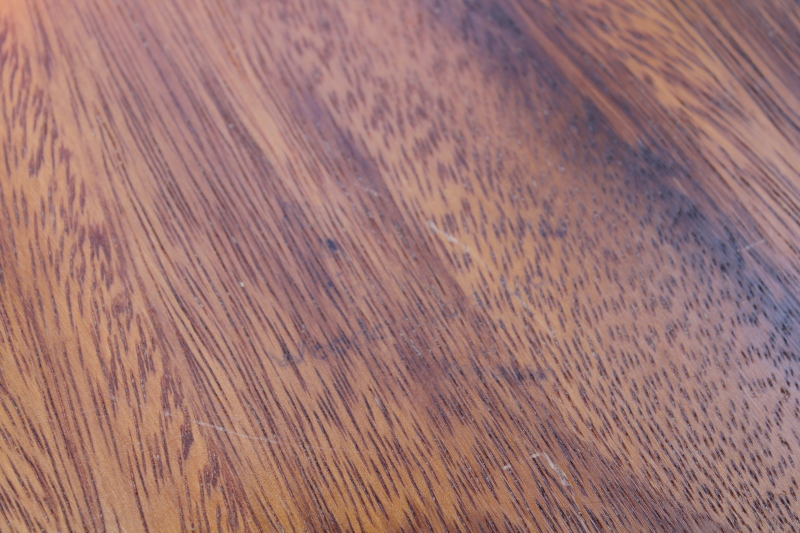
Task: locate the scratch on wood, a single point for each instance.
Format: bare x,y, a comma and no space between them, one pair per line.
562,476
753,245
449,238
452,240
296,444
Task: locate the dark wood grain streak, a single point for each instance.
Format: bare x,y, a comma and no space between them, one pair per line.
399,266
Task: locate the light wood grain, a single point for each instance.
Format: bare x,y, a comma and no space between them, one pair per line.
420,265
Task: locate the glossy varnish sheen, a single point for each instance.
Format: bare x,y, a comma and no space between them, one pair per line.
399,266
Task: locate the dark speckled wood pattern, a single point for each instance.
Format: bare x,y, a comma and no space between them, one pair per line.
409,265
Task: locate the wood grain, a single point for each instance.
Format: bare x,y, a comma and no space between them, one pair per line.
420,265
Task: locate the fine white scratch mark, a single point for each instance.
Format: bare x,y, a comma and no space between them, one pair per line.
449,238
751,246
452,240
262,439
562,476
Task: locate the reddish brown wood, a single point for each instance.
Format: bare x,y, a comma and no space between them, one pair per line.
420,265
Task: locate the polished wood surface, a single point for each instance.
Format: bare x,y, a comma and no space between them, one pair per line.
408,265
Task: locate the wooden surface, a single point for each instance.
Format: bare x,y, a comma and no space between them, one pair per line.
407,265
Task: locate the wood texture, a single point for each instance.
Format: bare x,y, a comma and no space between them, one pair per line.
409,265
